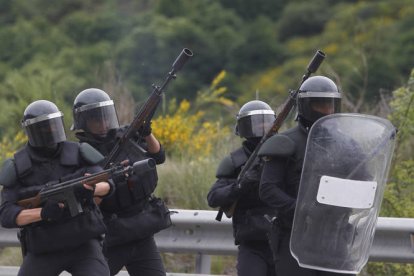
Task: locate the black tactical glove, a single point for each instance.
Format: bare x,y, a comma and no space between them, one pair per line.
51,211
119,179
250,180
145,129
82,194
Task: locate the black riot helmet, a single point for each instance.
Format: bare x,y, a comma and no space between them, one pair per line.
43,124
254,119
94,112
318,96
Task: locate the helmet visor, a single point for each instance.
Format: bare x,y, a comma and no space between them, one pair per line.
313,108
96,118
255,125
46,132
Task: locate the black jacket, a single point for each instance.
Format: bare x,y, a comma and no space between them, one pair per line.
281,174
248,219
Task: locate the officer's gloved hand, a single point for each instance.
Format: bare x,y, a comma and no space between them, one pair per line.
119,179
84,194
250,180
145,130
52,210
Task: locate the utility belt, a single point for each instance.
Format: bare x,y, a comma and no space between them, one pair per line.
126,227
62,235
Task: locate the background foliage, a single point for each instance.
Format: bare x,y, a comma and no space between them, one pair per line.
242,50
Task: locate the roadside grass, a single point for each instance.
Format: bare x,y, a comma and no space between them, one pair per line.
184,184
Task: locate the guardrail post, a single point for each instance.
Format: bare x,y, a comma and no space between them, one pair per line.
412,242
203,264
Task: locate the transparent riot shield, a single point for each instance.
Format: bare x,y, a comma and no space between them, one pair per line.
342,185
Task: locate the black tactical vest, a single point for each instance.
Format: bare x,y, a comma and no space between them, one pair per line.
33,172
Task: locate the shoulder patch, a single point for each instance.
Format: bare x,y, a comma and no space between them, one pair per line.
8,174
277,145
90,154
226,168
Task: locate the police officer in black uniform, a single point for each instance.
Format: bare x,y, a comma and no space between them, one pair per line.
129,241
283,156
249,225
53,241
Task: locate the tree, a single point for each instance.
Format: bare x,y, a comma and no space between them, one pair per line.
303,19
399,193
250,10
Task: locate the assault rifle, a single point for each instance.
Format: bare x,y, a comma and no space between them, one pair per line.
65,192
287,107
144,115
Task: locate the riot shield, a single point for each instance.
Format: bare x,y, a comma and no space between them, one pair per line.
342,185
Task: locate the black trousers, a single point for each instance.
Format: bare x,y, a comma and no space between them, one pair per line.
255,259
286,264
86,260
140,258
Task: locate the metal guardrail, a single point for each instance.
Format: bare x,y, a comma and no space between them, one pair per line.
12,271
393,241
197,232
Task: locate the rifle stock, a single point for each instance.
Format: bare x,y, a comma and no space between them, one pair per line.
281,117
32,202
146,112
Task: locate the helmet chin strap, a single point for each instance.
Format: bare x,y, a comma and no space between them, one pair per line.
254,140
51,146
305,123
100,136
103,137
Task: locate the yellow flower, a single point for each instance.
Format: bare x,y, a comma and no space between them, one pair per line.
183,133
9,146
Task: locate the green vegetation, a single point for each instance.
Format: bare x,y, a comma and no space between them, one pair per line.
241,49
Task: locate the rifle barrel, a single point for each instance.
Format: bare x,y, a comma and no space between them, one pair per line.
147,110
316,61
182,58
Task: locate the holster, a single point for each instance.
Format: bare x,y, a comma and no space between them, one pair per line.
274,235
21,235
